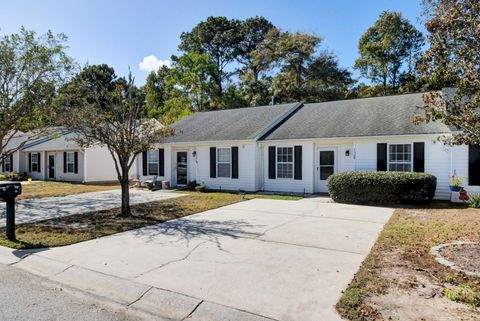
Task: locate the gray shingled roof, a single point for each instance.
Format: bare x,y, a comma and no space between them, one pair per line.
229,124
390,115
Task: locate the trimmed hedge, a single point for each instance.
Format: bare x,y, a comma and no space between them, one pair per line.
381,187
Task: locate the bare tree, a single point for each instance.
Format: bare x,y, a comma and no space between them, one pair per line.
31,68
104,109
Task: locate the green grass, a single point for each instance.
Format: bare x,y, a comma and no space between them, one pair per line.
82,227
412,232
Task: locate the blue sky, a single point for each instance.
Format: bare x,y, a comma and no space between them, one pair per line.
121,33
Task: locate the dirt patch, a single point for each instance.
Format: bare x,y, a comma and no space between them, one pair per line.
401,279
414,294
465,256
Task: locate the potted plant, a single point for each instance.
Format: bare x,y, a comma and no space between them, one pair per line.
456,183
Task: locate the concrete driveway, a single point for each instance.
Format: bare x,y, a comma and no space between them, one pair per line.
255,260
38,209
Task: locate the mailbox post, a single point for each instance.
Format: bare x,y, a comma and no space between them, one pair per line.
8,192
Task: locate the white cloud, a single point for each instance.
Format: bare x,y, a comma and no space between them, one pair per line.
152,63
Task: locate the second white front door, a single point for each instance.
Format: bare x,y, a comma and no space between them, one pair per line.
326,167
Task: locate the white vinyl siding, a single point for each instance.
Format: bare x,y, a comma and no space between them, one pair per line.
70,162
285,162
400,157
224,162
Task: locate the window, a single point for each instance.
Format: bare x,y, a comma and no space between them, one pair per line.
7,165
285,162
400,157
35,162
70,162
152,162
223,162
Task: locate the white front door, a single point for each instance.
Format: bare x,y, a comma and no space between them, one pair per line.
326,167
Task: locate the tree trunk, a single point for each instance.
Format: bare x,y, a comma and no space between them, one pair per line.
124,183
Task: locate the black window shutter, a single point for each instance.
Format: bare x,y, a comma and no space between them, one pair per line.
297,154
419,157
144,163
272,162
382,157
11,162
39,160
474,165
161,162
75,162
3,166
30,162
213,162
235,162
64,162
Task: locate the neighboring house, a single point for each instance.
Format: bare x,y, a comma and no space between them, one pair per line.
296,147
58,157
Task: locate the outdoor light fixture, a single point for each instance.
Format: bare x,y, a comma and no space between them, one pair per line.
347,152
194,153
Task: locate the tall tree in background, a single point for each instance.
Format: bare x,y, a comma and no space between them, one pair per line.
31,69
253,76
157,92
453,58
104,109
391,44
218,38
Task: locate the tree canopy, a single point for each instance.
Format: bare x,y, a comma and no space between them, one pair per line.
389,51
453,58
102,108
31,69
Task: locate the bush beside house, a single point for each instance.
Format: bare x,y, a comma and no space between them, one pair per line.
381,187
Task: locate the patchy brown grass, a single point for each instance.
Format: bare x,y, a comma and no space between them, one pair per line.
82,227
400,280
48,189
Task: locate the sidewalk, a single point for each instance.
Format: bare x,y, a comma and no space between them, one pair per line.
162,305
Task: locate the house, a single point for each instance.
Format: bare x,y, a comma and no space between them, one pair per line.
57,156
296,147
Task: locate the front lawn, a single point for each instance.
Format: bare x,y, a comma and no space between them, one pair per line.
83,227
400,280
38,189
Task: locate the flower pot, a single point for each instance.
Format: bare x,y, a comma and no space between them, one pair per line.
455,188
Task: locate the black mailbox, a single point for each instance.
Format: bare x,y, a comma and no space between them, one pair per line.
8,192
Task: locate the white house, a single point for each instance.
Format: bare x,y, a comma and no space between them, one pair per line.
296,147
58,157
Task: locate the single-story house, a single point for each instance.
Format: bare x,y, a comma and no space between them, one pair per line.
57,156
296,147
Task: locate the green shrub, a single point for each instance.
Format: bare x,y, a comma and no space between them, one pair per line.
3,177
381,187
475,200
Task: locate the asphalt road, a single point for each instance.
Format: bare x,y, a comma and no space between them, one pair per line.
26,297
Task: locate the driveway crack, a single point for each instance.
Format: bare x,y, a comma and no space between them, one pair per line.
173,261
277,226
194,309
140,297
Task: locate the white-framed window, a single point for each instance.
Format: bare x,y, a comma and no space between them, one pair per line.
224,162
152,162
7,165
284,162
34,162
400,157
70,162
